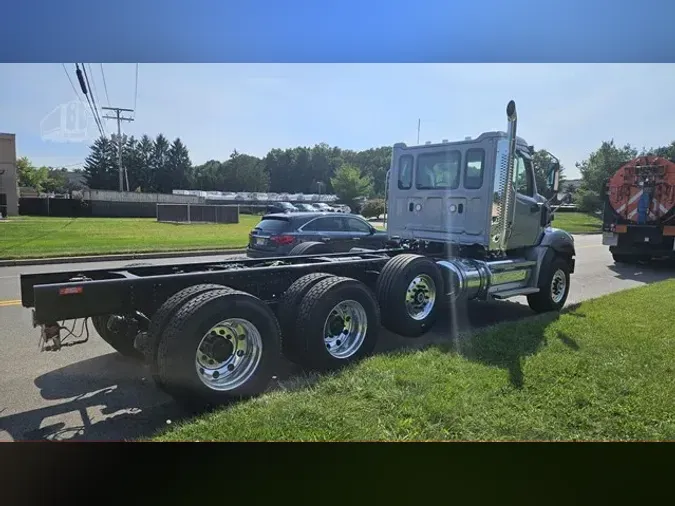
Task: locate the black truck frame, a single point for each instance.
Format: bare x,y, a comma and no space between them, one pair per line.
137,308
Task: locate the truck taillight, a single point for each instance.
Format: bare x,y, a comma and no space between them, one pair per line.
282,240
71,290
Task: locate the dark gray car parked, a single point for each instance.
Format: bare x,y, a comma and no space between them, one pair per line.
277,234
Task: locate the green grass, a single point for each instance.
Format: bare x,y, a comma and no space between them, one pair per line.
33,237
601,371
37,237
577,223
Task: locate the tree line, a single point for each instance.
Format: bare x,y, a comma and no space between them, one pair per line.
157,165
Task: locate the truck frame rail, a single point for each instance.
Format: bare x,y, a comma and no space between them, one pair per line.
86,293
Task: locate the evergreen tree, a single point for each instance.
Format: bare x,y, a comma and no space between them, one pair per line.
100,167
179,166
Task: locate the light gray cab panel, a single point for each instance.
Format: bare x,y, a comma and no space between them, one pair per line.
430,196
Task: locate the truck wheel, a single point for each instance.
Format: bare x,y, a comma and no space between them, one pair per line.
338,323
310,248
288,309
161,318
554,287
121,340
408,290
623,258
219,346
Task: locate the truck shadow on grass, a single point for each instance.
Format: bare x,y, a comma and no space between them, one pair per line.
505,348
111,398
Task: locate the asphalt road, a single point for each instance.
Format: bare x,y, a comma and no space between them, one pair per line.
89,392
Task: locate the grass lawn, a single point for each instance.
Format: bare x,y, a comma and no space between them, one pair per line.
40,237
577,223
36,237
600,371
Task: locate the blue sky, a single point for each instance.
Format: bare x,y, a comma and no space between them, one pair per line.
568,109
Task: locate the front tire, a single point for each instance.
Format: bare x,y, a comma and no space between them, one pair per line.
220,346
554,287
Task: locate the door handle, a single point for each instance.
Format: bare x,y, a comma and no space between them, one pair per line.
534,208
325,239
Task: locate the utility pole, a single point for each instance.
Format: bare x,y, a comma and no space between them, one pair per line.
419,124
119,118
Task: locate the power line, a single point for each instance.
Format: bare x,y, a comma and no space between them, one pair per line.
94,93
93,96
135,91
86,95
71,81
105,86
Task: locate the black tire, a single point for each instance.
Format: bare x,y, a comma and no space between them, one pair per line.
161,318
628,259
121,341
287,311
392,286
543,301
313,313
180,340
310,248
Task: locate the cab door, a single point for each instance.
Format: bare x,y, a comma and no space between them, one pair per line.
526,226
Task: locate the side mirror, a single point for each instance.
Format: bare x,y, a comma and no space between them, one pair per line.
553,176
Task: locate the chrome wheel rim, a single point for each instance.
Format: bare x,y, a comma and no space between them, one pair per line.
558,286
228,354
345,329
420,297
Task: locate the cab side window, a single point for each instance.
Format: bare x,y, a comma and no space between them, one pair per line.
522,176
473,169
405,172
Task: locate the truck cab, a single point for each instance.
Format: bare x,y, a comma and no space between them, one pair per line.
438,192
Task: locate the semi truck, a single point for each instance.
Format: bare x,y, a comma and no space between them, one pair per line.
465,221
639,210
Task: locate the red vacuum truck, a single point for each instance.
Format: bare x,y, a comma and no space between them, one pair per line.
639,211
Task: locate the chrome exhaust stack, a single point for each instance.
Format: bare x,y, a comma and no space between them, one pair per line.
504,205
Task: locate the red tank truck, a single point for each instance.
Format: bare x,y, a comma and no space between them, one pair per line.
639,211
